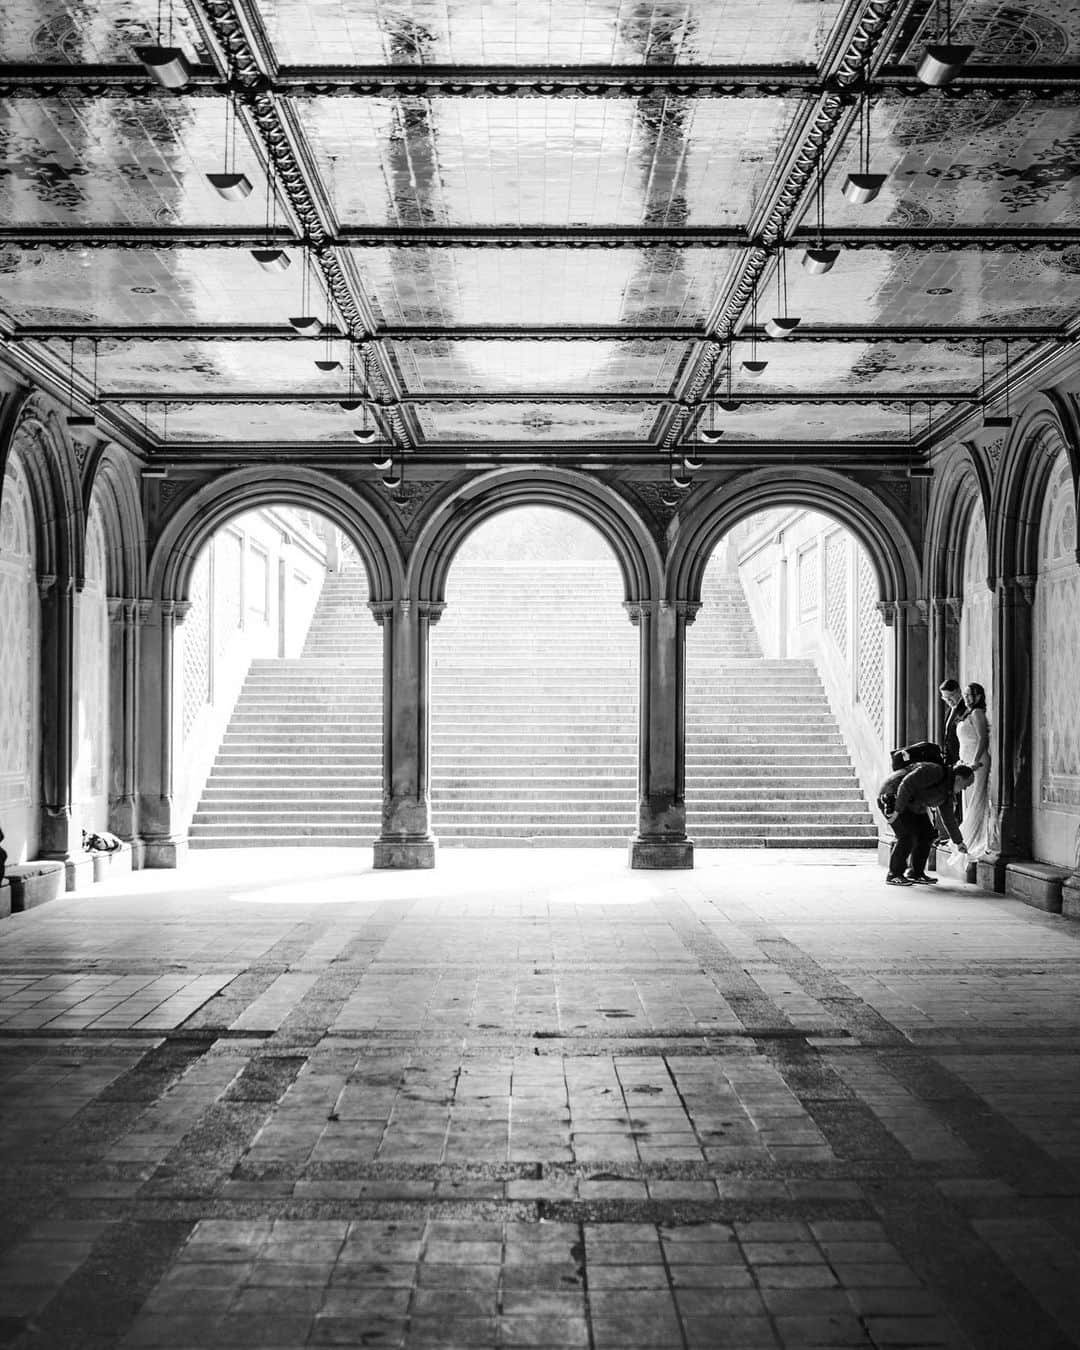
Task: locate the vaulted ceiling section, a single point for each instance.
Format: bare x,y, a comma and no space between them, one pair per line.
537,229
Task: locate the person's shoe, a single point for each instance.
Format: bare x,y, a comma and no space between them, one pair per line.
919,879
891,880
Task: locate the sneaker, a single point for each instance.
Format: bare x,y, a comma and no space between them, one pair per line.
919,879
890,880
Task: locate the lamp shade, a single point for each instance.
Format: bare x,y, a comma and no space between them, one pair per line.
729,405
668,494
690,463
998,423
383,463
365,434
306,325
860,188
234,187
710,434
77,421
782,326
679,482
816,261
392,480
168,65
942,63
753,368
327,366
349,404
271,259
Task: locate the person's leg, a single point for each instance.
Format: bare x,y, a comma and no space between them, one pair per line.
901,850
922,830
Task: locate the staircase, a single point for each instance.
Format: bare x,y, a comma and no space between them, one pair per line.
534,707
301,761
766,765
534,686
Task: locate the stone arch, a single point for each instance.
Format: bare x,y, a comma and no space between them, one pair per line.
459,513
962,485
115,489
1013,522
53,480
201,514
875,525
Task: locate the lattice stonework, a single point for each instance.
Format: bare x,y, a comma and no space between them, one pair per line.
1057,645
870,644
808,582
977,618
93,678
19,628
197,644
836,589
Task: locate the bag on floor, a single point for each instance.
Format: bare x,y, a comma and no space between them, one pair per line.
920,752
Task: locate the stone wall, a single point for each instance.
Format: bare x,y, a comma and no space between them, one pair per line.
20,622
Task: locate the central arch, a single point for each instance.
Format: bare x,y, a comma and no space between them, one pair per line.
457,515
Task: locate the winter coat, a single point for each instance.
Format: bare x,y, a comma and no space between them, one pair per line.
923,788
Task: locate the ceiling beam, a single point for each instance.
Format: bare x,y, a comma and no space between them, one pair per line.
120,80
270,397
538,333
954,238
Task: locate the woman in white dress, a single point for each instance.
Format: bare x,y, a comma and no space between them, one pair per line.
973,729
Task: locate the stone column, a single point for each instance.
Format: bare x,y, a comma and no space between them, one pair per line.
660,841
123,705
912,718
406,840
945,612
61,832
1010,731
163,845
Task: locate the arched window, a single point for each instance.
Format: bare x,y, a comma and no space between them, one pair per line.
19,665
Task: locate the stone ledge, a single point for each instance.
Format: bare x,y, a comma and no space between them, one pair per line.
1037,884
27,885
1070,896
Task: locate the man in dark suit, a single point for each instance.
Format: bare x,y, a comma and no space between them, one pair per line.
952,696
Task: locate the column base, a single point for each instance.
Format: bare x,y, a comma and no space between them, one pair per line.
990,873
1070,897
661,854
405,854
164,852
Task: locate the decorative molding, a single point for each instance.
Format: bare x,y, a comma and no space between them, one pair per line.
914,611
687,610
888,609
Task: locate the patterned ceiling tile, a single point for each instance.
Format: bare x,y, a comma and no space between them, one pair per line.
939,288
873,367
443,161
136,286
536,422
557,32
281,423
286,366
1006,33
835,423
965,162
502,367
542,286
91,31
137,161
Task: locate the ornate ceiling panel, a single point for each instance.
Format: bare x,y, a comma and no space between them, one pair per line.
542,286
125,286
1004,32
559,32
508,161
503,367
542,423
972,162
940,288
835,424
87,31
137,161
276,424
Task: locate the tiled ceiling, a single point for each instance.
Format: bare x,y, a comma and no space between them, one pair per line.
542,224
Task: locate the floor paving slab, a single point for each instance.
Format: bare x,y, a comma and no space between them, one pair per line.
283,1099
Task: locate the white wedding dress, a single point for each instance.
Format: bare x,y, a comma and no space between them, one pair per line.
975,826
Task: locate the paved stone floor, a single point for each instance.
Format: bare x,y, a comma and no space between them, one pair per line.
536,1100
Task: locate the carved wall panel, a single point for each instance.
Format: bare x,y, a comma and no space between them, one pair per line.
977,617
836,589
92,681
1057,651
870,633
20,628
196,638
809,576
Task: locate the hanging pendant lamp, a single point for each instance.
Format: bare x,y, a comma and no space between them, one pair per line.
269,258
230,184
730,404
305,323
943,61
782,325
79,421
162,59
753,368
862,187
328,362
998,422
819,259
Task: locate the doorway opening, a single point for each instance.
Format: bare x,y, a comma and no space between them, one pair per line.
786,689
534,689
279,688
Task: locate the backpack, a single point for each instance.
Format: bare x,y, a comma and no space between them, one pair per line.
920,752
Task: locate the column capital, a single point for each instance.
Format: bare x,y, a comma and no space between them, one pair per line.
638,609
688,610
144,610
914,611
381,610
1017,590
888,610
432,610
175,610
